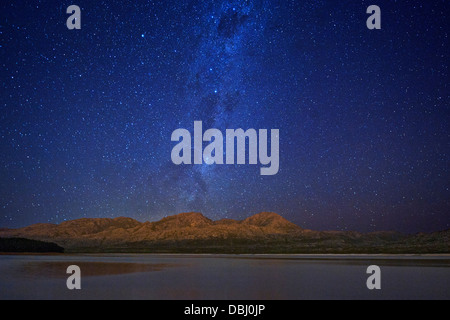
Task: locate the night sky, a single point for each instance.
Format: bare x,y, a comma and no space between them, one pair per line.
87,115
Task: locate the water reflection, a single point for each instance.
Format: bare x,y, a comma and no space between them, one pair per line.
57,269
229,277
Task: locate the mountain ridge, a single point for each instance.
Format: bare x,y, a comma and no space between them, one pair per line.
193,232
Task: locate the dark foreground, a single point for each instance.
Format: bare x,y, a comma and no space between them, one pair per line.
27,245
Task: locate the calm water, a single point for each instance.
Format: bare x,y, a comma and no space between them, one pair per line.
224,277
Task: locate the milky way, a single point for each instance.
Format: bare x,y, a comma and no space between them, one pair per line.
87,115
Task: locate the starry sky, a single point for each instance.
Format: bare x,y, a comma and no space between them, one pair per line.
87,115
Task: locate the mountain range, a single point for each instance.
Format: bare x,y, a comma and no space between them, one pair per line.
265,232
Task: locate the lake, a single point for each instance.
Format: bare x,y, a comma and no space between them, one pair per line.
224,277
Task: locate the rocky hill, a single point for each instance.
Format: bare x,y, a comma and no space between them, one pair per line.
265,232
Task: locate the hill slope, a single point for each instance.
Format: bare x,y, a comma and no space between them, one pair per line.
265,232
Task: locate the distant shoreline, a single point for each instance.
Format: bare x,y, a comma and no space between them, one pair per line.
268,255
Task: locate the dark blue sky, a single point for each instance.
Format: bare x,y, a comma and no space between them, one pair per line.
87,115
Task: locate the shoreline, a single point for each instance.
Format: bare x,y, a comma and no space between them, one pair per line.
268,255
